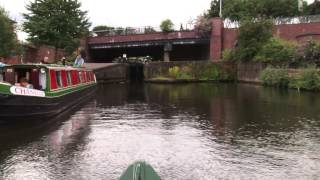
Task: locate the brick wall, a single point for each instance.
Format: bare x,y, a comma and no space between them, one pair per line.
291,32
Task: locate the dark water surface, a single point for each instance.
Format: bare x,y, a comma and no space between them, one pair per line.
187,132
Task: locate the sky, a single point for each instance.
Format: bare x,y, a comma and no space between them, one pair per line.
125,13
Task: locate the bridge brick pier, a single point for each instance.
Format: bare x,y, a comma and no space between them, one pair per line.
109,72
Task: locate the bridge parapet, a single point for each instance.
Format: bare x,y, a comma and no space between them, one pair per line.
143,37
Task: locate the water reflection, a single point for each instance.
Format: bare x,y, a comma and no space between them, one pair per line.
186,131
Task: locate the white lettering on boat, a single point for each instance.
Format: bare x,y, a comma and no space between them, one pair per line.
26,92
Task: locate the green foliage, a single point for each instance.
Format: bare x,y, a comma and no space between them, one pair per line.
214,10
71,58
8,41
312,9
237,10
309,79
167,26
59,23
212,72
307,54
276,52
228,55
102,28
173,71
275,77
252,37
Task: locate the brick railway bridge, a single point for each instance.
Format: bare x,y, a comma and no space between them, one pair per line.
185,45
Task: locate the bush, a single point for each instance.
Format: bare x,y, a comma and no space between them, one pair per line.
184,72
308,53
309,79
275,77
214,73
228,55
167,26
252,37
173,71
276,52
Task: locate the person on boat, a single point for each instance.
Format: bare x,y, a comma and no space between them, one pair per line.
45,60
24,83
79,62
63,60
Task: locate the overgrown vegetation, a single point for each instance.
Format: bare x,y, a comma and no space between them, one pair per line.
305,79
276,52
309,79
253,35
279,53
275,77
235,10
203,72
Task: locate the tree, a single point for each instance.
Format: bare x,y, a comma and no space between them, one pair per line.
203,26
238,9
8,38
59,23
252,37
313,9
214,10
167,26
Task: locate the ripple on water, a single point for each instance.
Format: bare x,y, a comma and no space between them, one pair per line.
183,137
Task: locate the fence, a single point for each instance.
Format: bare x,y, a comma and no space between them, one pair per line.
228,24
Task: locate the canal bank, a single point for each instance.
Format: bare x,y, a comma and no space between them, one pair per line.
207,71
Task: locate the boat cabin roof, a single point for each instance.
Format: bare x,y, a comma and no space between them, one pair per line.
46,66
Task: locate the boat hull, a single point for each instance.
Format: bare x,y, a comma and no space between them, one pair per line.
25,108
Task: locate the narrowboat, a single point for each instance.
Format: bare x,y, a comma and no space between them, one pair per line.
41,91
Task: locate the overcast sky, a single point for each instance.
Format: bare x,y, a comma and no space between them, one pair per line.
134,13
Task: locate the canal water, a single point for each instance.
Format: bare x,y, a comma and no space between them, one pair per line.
185,131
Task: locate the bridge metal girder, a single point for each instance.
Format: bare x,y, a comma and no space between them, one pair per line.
149,43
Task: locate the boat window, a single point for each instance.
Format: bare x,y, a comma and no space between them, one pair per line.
88,76
1,75
59,79
53,79
31,74
92,76
75,77
42,79
84,76
69,80
64,78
